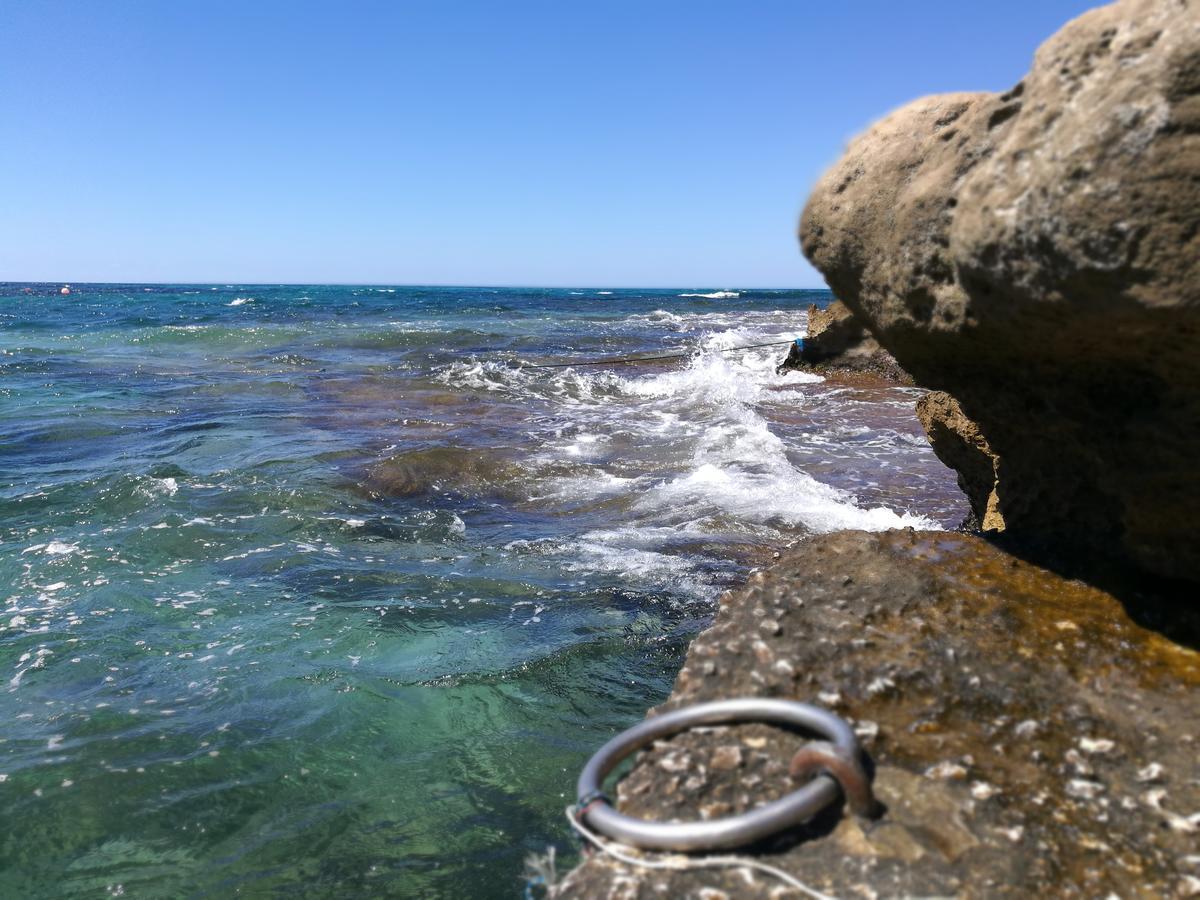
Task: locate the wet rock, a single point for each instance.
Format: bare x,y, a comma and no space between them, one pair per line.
460,470
1036,254
991,707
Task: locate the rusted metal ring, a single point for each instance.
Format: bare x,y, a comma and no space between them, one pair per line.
733,831
845,768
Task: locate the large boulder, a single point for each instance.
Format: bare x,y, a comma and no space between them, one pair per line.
1036,254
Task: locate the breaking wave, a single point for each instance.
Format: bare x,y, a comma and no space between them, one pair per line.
691,446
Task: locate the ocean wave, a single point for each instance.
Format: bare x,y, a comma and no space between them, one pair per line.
617,552
692,444
715,295
710,324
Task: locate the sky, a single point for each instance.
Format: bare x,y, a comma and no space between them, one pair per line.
608,144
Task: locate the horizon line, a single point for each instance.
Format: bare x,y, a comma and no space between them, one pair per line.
397,284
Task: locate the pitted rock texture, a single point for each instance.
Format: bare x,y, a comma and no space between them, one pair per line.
1030,739
1036,254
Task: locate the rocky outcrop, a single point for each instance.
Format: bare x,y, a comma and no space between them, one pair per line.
1036,254
835,331
1029,737
835,338
958,443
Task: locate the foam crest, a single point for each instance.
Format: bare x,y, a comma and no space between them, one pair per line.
710,458
624,552
731,379
774,497
568,385
484,376
711,377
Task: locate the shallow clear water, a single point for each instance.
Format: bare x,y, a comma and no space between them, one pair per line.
316,590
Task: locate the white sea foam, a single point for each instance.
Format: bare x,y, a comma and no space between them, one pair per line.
238,301
624,552
159,486
779,495
689,446
703,454
594,485
715,295
584,446
740,467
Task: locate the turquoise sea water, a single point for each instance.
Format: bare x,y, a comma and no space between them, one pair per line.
315,591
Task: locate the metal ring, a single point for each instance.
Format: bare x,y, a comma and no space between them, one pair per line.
733,831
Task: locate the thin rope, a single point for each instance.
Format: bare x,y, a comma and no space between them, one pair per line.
681,863
637,359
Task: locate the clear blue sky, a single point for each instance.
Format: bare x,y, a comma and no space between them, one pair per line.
560,143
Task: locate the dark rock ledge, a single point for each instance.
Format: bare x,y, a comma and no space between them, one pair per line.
1029,736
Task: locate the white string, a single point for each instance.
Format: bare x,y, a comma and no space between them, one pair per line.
690,862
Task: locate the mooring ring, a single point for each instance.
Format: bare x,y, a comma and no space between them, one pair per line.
733,831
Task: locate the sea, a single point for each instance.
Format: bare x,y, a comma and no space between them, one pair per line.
329,591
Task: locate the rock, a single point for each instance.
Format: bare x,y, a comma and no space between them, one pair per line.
958,443
834,331
972,745
837,339
726,758
1036,254
458,470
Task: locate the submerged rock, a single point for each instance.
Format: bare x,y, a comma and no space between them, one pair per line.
435,470
1029,736
1036,254
838,339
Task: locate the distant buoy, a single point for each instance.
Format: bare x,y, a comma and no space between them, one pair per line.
65,290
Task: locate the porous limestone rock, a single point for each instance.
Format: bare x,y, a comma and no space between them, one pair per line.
1036,254
1029,736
